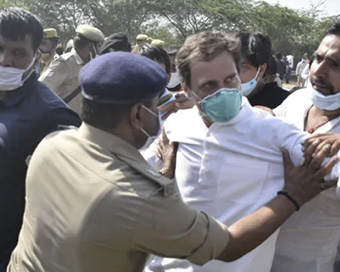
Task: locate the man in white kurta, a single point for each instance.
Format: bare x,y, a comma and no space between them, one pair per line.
230,170
308,242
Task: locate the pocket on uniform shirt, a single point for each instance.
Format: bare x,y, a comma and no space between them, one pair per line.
241,179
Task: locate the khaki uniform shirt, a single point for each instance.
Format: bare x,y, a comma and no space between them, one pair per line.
45,64
62,77
94,204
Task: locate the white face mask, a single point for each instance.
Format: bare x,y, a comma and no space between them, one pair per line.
12,78
151,138
326,102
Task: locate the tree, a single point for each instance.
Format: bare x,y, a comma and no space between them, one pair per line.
290,31
192,16
110,16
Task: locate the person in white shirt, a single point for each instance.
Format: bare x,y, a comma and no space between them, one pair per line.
308,242
299,70
305,76
229,162
289,67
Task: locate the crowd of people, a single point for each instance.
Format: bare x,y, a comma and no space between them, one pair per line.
130,158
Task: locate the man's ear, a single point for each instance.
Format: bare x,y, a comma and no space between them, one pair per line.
135,116
263,69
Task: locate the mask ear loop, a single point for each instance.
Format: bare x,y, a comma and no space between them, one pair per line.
202,113
145,133
258,72
152,113
31,66
94,49
195,95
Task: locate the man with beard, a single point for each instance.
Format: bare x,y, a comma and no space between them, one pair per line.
228,161
308,242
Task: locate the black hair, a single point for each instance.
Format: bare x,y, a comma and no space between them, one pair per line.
256,48
59,50
334,29
157,54
16,23
205,46
272,66
106,115
115,42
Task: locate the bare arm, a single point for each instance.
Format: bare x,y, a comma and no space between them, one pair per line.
302,183
167,153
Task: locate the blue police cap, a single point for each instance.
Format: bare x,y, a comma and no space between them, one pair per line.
121,77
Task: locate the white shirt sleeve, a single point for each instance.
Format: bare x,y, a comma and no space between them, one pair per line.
280,111
291,138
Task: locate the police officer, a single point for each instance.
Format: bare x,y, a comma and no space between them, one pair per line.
158,42
141,39
94,204
47,48
62,75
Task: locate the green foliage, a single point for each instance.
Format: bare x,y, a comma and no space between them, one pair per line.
290,31
163,33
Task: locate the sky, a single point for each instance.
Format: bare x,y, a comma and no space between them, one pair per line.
331,7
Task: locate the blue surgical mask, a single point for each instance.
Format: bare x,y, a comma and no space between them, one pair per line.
326,102
248,87
221,106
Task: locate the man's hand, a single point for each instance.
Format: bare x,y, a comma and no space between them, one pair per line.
182,102
167,153
314,144
301,183
306,181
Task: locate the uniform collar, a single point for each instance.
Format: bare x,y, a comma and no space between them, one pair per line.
78,59
126,153
109,142
15,96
